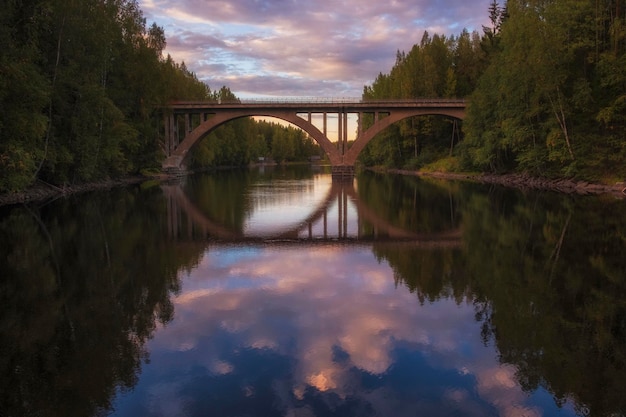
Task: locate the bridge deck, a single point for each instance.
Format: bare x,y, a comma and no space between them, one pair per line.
319,106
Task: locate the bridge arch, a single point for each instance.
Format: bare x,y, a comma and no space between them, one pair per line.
380,125
181,153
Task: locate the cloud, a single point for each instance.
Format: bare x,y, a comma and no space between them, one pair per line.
302,48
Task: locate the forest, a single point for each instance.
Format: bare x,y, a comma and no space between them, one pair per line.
83,83
546,84
82,86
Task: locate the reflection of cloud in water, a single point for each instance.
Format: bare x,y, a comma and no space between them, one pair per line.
221,368
341,323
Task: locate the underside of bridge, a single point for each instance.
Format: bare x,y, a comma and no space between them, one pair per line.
187,123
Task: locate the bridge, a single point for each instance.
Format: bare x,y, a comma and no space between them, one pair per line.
186,123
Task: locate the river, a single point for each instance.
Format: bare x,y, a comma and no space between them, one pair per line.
276,292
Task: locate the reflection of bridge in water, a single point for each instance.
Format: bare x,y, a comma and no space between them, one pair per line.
328,222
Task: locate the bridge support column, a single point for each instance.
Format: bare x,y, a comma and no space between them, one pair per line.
343,172
173,165
169,127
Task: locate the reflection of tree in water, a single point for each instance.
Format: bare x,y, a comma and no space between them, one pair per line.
431,274
411,204
548,280
419,206
90,310
223,197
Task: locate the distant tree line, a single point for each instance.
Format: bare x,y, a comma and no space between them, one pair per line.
81,85
547,88
247,140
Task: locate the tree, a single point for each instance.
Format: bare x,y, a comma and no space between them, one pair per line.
542,106
439,66
24,92
82,82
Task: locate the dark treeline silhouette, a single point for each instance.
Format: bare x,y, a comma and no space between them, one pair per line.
96,284
81,81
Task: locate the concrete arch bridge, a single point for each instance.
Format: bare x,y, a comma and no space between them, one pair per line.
188,122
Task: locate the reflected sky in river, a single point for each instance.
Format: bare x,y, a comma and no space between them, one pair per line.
318,331
285,204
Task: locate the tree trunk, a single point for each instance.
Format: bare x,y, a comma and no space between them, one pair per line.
54,78
559,113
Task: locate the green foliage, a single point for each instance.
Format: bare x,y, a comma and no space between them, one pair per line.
438,66
551,101
23,96
80,87
546,84
242,141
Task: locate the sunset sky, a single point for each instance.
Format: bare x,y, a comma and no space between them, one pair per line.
297,48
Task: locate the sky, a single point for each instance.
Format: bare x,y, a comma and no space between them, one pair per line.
302,48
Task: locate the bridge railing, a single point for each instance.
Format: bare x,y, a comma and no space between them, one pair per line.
331,100
298,100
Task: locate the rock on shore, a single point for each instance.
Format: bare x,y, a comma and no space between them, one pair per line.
523,181
43,191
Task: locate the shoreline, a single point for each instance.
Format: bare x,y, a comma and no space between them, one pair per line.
525,182
43,191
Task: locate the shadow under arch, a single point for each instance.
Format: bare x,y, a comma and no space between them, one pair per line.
339,192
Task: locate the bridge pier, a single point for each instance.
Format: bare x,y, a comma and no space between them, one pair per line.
173,165
342,172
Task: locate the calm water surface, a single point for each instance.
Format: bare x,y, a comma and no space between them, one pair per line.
281,293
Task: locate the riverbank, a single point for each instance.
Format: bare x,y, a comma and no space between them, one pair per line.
526,182
43,191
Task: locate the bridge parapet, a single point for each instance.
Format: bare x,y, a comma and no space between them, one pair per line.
316,105
299,100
